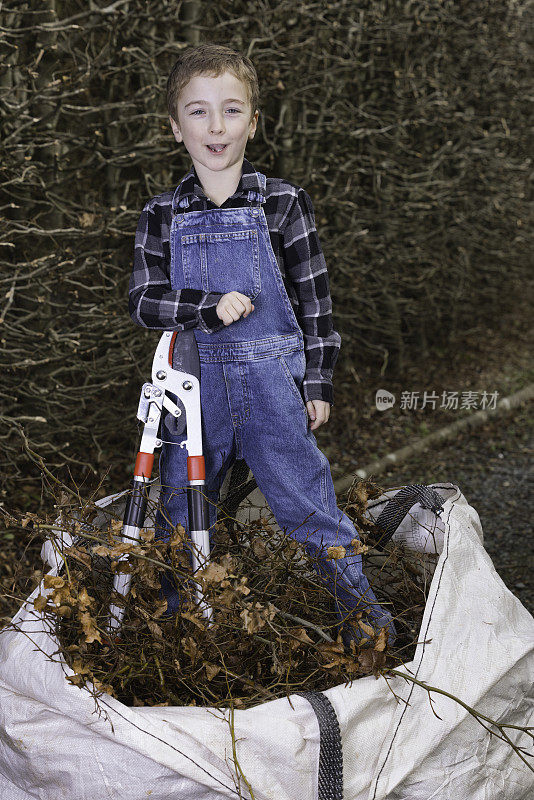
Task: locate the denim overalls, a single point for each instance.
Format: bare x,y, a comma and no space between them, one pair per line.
252,405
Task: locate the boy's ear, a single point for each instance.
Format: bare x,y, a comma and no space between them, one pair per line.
175,129
253,124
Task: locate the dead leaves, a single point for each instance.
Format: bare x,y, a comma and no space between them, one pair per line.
336,552
62,602
255,616
213,573
358,548
79,554
80,671
152,626
196,619
190,647
211,670
267,638
83,673
371,661
381,641
299,638
89,628
334,658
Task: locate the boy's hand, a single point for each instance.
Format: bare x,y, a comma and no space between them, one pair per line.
318,412
232,306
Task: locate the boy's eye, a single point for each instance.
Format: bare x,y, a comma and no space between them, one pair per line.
201,111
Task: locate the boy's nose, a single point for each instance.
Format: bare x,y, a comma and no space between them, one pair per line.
216,125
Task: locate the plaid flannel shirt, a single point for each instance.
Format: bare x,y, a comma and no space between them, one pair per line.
295,242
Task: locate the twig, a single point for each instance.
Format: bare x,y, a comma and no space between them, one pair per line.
478,715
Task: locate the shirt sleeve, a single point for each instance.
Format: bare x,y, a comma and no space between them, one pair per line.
152,302
306,269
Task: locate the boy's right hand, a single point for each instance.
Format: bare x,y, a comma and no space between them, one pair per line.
232,306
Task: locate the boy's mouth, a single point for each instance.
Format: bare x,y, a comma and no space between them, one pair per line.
216,148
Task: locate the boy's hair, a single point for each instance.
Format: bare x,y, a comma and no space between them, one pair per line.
212,59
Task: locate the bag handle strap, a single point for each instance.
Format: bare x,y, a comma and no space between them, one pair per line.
330,778
396,509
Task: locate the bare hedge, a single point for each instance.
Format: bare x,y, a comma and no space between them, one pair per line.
407,122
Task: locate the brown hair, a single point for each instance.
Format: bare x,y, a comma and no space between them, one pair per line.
212,59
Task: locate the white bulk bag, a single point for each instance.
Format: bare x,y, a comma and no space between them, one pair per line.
476,638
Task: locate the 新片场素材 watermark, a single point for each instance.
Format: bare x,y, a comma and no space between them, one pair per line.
450,401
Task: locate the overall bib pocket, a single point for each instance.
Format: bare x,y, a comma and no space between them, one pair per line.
207,260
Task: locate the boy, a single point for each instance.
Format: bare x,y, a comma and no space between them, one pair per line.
211,255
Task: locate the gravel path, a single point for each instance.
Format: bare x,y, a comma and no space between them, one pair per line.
492,466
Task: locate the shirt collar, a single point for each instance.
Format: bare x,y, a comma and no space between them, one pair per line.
251,186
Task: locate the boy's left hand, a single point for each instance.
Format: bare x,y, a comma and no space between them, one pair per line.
318,412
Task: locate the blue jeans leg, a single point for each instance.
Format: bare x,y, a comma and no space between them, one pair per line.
294,476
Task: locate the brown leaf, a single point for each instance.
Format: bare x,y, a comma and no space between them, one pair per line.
331,647
242,587
80,668
300,638
178,535
211,670
77,680
124,567
89,628
86,219
79,554
154,629
104,687
195,619
84,599
301,635
63,595
40,602
213,573
121,548
160,608
265,525
371,660
366,628
116,525
190,647
336,552
255,618
101,550
56,582
358,547
228,597
362,494
258,548
381,640
229,563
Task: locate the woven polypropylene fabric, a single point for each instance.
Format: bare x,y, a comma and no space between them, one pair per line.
330,752
396,509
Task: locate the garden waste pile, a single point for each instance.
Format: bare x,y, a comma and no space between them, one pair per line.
275,630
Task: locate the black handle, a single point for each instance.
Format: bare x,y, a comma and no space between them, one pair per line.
396,509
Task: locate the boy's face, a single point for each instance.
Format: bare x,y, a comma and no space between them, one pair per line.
214,111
